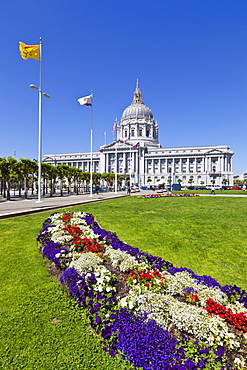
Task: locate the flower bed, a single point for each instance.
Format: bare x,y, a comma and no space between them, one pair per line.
165,195
155,315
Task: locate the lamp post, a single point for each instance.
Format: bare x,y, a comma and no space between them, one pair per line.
39,137
170,170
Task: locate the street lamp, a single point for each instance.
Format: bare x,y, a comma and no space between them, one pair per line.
39,137
170,170
36,88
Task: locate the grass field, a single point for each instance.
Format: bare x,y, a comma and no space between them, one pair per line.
40,328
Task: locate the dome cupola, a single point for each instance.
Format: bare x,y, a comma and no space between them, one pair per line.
137,108
137,123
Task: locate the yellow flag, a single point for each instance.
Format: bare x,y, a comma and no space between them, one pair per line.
29,51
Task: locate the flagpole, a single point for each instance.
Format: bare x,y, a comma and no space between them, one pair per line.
116,161
91,149
130,159
40,124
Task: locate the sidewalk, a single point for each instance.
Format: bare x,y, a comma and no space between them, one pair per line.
20,207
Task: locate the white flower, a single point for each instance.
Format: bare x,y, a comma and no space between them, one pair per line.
86,262
240,363
131,305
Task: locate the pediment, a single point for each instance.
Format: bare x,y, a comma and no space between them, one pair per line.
116,145
214,151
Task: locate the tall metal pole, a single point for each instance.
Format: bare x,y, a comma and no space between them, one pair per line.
40,125
116,160
91,149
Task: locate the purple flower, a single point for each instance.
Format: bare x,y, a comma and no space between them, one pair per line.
98,319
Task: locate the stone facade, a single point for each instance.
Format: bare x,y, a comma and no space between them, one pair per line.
141,160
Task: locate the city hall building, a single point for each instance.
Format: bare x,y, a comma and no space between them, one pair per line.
137,154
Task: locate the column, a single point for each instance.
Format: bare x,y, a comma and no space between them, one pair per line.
124,162
188,165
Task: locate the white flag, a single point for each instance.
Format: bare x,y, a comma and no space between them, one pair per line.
86,100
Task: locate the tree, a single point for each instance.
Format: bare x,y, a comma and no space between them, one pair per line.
96,178
77,172
225,181
202,182
45,168
27,167
120,179
190,181
179,181
108,177
6,168
61,172
51,172
17,168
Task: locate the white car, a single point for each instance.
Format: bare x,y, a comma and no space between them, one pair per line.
134,189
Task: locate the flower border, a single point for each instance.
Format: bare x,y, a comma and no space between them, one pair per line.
134,325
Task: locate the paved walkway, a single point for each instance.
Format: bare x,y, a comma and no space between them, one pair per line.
19,207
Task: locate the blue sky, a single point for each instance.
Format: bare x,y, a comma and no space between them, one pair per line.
190,58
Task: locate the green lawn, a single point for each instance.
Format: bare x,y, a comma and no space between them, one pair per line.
220,192
205,234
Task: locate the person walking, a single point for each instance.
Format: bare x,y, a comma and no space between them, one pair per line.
212,190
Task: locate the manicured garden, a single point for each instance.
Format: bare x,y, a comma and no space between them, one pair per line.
41,329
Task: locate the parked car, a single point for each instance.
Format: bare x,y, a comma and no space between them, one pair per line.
134,189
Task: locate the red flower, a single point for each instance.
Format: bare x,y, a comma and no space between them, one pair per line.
239,320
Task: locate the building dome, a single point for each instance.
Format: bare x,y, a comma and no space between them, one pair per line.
137,109
137,123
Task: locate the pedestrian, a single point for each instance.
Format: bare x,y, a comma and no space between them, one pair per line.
212,190
97,189
128,190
